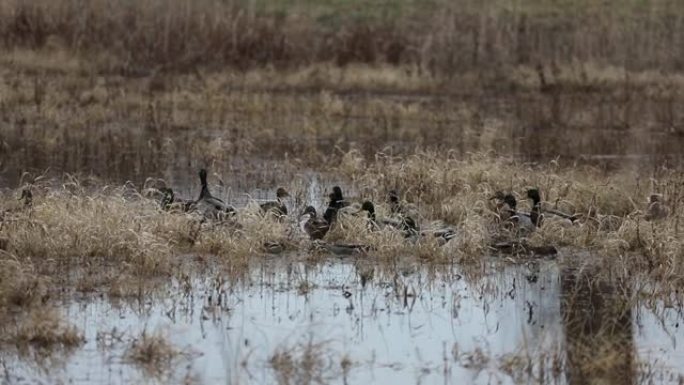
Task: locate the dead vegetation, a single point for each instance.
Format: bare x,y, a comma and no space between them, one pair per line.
448,104
153,353
120,226
446,37
308,363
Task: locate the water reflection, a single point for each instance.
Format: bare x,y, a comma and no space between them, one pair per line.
597,320
407,324
587,127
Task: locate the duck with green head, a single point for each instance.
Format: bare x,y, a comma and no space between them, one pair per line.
508,211
406,225
535,214
336,202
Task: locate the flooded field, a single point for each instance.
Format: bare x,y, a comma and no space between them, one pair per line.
341,192
348,321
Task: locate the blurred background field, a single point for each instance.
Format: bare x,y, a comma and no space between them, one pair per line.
120,89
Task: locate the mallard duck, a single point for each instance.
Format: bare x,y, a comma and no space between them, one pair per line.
273,247
442,234
277,206
401,223
502,209
336,202
535,214
338,199
330,214
208,205
169,201
522,247
656,209
341,248
312,225
395,203
508,212
27,197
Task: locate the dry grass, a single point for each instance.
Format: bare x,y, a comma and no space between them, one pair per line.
43,329
308,363
457,191
153,352
95,79
447,37
119,226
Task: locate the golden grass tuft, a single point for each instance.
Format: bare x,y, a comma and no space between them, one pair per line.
20,286
43,328
153,352
308,363
455,190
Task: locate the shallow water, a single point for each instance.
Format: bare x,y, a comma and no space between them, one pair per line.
409,324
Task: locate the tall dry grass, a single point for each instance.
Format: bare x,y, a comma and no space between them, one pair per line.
439,37
455,190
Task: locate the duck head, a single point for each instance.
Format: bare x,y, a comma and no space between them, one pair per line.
27,196
499,196
337,192
282,193
369,207
533,194
310,211
203,177
393,196
167,197
510,200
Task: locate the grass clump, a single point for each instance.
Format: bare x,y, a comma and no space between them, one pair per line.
308,363
610,208
153,352
42,328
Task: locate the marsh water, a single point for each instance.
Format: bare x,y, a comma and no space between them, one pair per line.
400,324
358,320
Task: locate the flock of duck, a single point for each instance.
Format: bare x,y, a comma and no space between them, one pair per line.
400,220
314,225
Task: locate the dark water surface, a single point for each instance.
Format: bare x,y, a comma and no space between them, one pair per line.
611,128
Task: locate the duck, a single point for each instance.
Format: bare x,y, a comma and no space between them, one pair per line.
535,214
505,205
277,206
169,201
336,202
316,228
27,197
442,234
395,203
519,247
656,209
405,223
208,205
508,212
342,249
